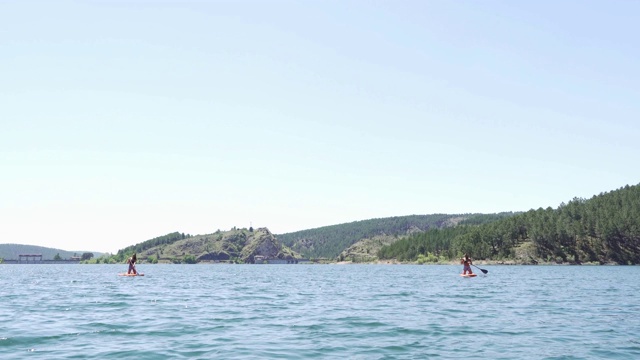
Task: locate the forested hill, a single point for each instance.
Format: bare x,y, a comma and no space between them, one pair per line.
330,241
603,229
11,252
157,241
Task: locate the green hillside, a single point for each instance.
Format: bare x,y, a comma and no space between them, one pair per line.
330,241
155,242
236,245
11,252
366,250
603,229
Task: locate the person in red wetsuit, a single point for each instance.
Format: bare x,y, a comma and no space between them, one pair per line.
466,261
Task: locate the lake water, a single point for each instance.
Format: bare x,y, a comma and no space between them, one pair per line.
318,311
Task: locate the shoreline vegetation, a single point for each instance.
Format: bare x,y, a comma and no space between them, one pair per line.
395,262
479,263
385,262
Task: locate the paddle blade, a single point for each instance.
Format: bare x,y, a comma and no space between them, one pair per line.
484,271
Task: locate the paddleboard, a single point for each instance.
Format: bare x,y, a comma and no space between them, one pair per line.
125,274
468,275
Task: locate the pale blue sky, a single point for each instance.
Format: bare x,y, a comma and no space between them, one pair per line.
121,121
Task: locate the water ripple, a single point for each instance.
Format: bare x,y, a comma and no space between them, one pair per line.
311,311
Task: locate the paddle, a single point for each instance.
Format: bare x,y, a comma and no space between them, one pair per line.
135,270
483,270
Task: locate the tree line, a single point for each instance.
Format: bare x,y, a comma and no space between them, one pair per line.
330,241
148,244
603,229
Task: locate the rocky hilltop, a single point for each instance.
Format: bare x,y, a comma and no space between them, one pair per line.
237,244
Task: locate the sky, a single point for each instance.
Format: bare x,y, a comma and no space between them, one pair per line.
121,121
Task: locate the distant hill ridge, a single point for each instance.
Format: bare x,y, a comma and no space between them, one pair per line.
12,251
157,241
244,244
331,241
236,245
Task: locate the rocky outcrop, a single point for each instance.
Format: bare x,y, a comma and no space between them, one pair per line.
236,244
264,244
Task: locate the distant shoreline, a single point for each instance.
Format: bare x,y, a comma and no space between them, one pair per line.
478,263
40,262
379,262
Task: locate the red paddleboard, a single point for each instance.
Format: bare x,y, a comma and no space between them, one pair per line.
125,274
469,275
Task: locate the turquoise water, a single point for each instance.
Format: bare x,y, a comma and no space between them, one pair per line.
318,311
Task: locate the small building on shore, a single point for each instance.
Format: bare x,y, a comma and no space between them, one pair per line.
36,259
30,258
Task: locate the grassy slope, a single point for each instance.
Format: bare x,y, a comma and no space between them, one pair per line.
366,250
330,241
240,244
